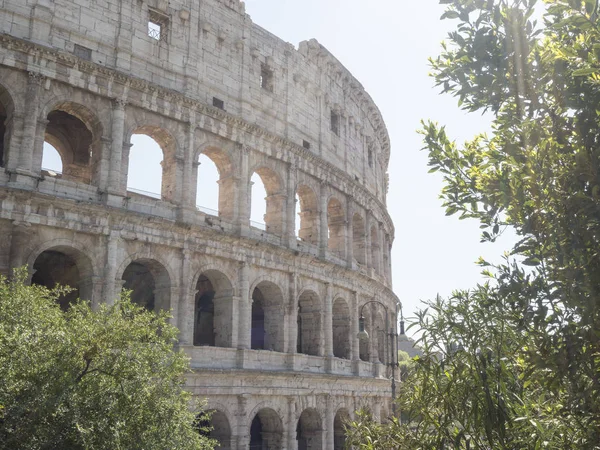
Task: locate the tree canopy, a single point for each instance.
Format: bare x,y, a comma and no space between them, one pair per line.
515,362
105,379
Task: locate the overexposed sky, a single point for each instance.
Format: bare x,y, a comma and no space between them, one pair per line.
385,44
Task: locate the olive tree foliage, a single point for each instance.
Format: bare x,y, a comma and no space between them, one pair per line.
515,363
84,379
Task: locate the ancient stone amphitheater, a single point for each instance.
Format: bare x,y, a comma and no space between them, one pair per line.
269,315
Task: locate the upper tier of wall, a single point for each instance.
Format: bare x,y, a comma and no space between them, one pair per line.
211,49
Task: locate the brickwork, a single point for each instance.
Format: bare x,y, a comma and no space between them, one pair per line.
269,319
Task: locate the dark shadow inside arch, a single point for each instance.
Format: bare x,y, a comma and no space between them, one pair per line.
309,324
65,266
213,310
266,431
267,317
339,434
52,268
341,329
217,427
309,432
149,284
70,131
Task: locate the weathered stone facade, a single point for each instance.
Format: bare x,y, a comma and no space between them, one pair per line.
269,319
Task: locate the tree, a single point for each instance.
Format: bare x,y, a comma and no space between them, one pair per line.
515,362
105,379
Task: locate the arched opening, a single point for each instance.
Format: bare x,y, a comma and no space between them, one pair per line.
149,284
358,239
364,345
309,324
267,317
152,168
74,133
266,431
213,310
309,432
221,430
215,184
336,222
339,435
51,161
6,116
308,228
341,329
66,267
270,211
375,249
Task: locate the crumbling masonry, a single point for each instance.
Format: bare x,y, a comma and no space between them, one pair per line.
269,317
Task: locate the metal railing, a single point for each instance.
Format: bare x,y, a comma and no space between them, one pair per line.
209,211
259,225
144,193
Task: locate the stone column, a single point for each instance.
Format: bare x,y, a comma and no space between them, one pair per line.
38,147
290,216
186,186
368,249
329,424
293,311
291,428
354,327
112,287
328,321
242,431
323,225
30,122
243,211
245,309
116,151
381,250
349,232
187,299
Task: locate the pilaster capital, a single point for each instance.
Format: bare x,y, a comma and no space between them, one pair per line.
119,103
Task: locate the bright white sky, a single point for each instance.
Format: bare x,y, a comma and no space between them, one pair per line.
385,44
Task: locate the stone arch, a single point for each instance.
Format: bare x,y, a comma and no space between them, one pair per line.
375,249
150,282
341,328
223,161
266,429
168,144
342,417
308,211
267,331
309,323
66,263
309,430
359,239
7,112
221,427
75,131
275,199
336,223
213,310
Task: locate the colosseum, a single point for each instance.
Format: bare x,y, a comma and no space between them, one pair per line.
268,313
